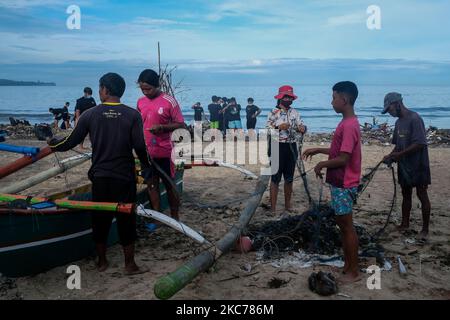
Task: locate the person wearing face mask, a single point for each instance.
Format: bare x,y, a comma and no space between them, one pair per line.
286,120
411,155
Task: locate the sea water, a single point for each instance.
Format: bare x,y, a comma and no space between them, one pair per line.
314,102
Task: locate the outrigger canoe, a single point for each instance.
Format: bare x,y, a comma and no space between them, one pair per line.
50,237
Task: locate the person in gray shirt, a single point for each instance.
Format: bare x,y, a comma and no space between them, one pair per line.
411,155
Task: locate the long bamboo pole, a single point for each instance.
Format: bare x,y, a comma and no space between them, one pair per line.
45,175
72,204
170,284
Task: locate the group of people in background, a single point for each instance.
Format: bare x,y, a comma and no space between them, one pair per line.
225,114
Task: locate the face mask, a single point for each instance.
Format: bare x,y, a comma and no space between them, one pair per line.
286,103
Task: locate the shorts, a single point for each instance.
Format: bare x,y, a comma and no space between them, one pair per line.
113,190
288,155
413,177
342,200
251,123
214,124
234,124
166,165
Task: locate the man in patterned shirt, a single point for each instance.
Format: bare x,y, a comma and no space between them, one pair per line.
287,121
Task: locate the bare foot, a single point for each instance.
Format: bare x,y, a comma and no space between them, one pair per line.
348,278
134,269
402,227
423,236
290,210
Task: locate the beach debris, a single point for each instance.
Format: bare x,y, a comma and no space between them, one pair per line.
410,241
276,283
387,266
244,244
437,136
247,267
303,260
381,134
343,295
322,283
401,267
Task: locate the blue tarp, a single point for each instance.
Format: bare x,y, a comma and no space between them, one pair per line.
32,151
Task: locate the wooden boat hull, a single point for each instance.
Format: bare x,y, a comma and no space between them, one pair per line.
37,243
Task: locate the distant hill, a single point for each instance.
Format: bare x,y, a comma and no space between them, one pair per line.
4,82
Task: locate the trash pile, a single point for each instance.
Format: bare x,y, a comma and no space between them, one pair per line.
314,232
26,132
440,137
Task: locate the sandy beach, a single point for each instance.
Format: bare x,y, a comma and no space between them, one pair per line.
163,251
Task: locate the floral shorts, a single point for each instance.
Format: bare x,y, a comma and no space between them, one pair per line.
342,200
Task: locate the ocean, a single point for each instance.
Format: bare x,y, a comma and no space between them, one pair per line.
314,103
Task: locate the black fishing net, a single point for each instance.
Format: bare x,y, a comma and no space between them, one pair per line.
314,231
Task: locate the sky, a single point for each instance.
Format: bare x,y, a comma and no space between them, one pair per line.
230,41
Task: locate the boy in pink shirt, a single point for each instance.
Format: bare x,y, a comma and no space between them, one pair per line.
161,115
343,172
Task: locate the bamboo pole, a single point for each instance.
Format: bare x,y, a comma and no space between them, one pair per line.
165,287
45,175
72,204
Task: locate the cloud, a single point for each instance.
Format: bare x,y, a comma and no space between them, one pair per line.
20,4
28,48
348,19
159,22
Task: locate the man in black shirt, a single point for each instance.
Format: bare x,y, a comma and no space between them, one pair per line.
252,112
411,155
198,115
214,116
115,130
61,114
84,103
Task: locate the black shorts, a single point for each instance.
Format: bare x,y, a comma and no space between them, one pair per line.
413,177
251,123
113,190
288,155
165,164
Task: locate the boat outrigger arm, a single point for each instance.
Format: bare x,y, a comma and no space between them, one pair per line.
45,175
23,162
71,204
125,208
181,227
